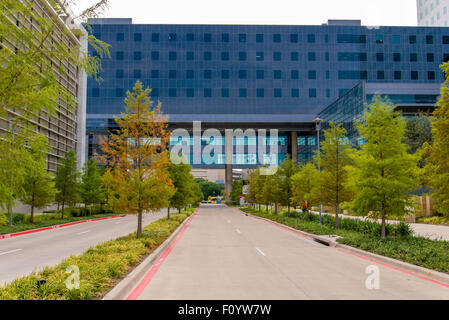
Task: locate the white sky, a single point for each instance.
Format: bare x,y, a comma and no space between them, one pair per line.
294,12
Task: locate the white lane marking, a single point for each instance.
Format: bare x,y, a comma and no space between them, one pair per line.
118,222
12,251
238,231
83,232
261,252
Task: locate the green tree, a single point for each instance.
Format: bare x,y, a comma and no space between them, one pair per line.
334,158
91,187
418,131
237,191
185,192
210,189
137,179
66,181
38,183
305,186
436,171
384,174
286,171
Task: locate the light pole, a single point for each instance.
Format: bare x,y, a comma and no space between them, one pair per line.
317,122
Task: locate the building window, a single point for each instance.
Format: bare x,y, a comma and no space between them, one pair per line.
277,92
154,92
429,39
172,74
326,56
225,74
154,74
119,92
242,56
328,93
207,37
207,74
225,56
190,92
137,55
207,92
277,74
352,56
95,92
172,92
312,93
311,141
155,37
295,93
380,57
190,55
259,38
260,92
430,57
207,55
137,37
379,39
311,38
155,55
294,56
137,73
277,56
242,92
328,74
431,75
294,74
276,38
413,57
380,75
351,38
190,37
259,56
172,55
312,75
120,55
294,38
190,74
352,75
120,37
312,56
225,92
260,74
414,75
412,39
119,74
225,37
172,36
242,74
242,37
396,39
445,39
396,57
397,75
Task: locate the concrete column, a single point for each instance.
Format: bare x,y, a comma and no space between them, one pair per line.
294,142
228,174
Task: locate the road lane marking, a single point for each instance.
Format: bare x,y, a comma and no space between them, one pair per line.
84,232
261,252
238,231
12,251
118,222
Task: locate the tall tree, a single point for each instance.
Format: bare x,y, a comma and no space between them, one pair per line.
137,178
286,171
384,174
210,188
66,181
436,171
237,191
38,184
305,186
334,158
91,187
418,131
183,182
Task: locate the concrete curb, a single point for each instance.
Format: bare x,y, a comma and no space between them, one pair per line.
420,271
132,279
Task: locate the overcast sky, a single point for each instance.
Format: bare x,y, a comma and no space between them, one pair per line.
295,12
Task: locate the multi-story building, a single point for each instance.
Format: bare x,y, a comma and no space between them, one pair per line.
433,13
261,77
65,130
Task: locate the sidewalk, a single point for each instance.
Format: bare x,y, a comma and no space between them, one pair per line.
434,232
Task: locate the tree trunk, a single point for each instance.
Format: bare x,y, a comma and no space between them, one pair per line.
139,224
267,207
308,214
337,209
62,209
179,210
384,231
168,213
289,209
32,214
276,208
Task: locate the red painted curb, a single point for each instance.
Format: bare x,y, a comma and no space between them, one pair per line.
13,235
144,283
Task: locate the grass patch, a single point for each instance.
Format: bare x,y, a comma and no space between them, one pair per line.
434,220
400,243
100,266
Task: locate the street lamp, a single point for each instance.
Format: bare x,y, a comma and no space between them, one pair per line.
317,122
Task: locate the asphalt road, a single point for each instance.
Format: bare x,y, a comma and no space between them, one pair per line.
224,254
22,255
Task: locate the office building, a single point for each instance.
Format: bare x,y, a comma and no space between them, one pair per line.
433,13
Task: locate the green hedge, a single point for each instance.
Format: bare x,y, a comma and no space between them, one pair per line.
100,267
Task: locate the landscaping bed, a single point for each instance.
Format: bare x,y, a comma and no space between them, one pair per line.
400,244
100,266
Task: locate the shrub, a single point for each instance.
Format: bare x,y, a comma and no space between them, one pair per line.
4,220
